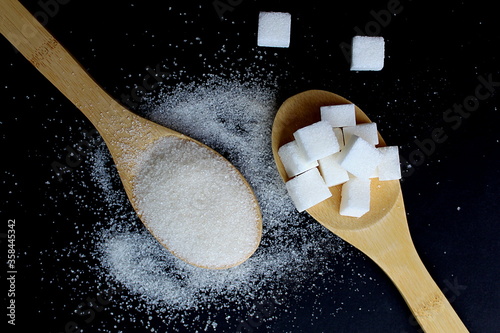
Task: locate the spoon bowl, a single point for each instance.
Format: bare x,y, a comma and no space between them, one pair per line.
302,110
127,135
382,233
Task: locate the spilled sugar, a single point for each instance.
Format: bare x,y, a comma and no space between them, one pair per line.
197,204
235,119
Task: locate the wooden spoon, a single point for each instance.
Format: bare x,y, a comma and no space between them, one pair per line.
126,134
382,233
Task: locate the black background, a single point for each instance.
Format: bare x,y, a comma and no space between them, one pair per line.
435,57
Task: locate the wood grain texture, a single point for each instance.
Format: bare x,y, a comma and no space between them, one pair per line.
382,233
126,134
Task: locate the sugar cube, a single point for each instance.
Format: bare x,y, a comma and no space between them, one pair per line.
367,53
332,172
307,189
340,136
294,160
274,29
339,115
389,168
359,157
317,140
355,200
367,131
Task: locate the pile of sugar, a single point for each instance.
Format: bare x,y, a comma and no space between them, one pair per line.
234,117
196,204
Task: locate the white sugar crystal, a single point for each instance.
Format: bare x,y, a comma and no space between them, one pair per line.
196,204
317,140
355,199
340,115
332,172
359,157
294,160
274,29
367,53
367,132
307,189
340,136
389,167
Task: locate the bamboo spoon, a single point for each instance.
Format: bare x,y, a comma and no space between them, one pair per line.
382,233
126,134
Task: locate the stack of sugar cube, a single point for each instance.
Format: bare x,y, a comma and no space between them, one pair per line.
337,151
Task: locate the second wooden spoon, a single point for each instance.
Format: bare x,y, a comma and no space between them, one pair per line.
382,233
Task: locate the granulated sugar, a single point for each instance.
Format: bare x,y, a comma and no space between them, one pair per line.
235,119
196,204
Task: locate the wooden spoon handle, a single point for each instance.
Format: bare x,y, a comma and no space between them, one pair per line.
427,302
45,53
